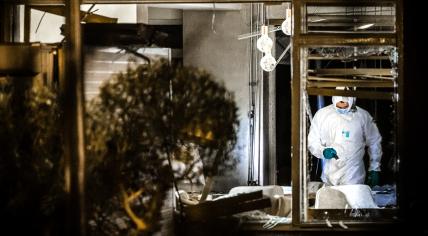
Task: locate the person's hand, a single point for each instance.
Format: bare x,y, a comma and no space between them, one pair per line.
329,153
373,178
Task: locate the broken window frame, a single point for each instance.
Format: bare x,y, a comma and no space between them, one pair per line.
75,140
302,215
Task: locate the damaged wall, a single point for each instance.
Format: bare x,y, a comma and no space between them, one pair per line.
226,58
220,53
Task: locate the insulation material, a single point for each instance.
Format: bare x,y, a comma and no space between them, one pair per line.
328,198
345,196
357,195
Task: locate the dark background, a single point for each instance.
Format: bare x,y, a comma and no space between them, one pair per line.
414,165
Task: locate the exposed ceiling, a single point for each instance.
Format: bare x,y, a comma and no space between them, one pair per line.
200,6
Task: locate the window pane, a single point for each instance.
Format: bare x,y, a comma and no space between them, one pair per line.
350,133
368,18
45,27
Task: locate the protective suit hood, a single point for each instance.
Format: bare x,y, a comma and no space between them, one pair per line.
349,100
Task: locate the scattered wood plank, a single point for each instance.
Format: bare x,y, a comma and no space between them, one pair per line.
328,82
352,72
349,84
349,93
340,79
319,57
227,206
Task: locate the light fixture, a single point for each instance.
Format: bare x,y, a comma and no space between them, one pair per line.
268,62
366,26
264,43
286,24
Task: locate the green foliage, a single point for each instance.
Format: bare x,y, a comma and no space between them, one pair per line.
141,118
31,176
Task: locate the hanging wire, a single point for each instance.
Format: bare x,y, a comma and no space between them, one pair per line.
254,113
251,105
259,20
213,19
258,33
283,54
40,21
88,12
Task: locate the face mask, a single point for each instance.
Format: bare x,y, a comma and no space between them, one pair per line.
342,110
350,100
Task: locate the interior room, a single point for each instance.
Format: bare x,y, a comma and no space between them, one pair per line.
144,117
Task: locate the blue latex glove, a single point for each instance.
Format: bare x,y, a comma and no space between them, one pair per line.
373,178
329,153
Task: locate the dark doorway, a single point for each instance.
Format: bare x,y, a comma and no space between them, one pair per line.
283,124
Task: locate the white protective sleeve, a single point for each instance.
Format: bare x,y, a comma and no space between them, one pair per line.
314,138
373,142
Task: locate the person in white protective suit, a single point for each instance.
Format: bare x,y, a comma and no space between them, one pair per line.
339,134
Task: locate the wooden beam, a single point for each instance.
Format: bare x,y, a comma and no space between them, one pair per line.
6,22
331,79
20,59
350,3
319,57
227,206
349,25
169,36
352,72
320,18
348,93
207,188
314,81
62,2
296,97
74,135
322,39
27,23
359,84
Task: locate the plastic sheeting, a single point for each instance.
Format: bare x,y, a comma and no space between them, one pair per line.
356,195
385,196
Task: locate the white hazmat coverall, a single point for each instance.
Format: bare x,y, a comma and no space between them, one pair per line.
348,134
